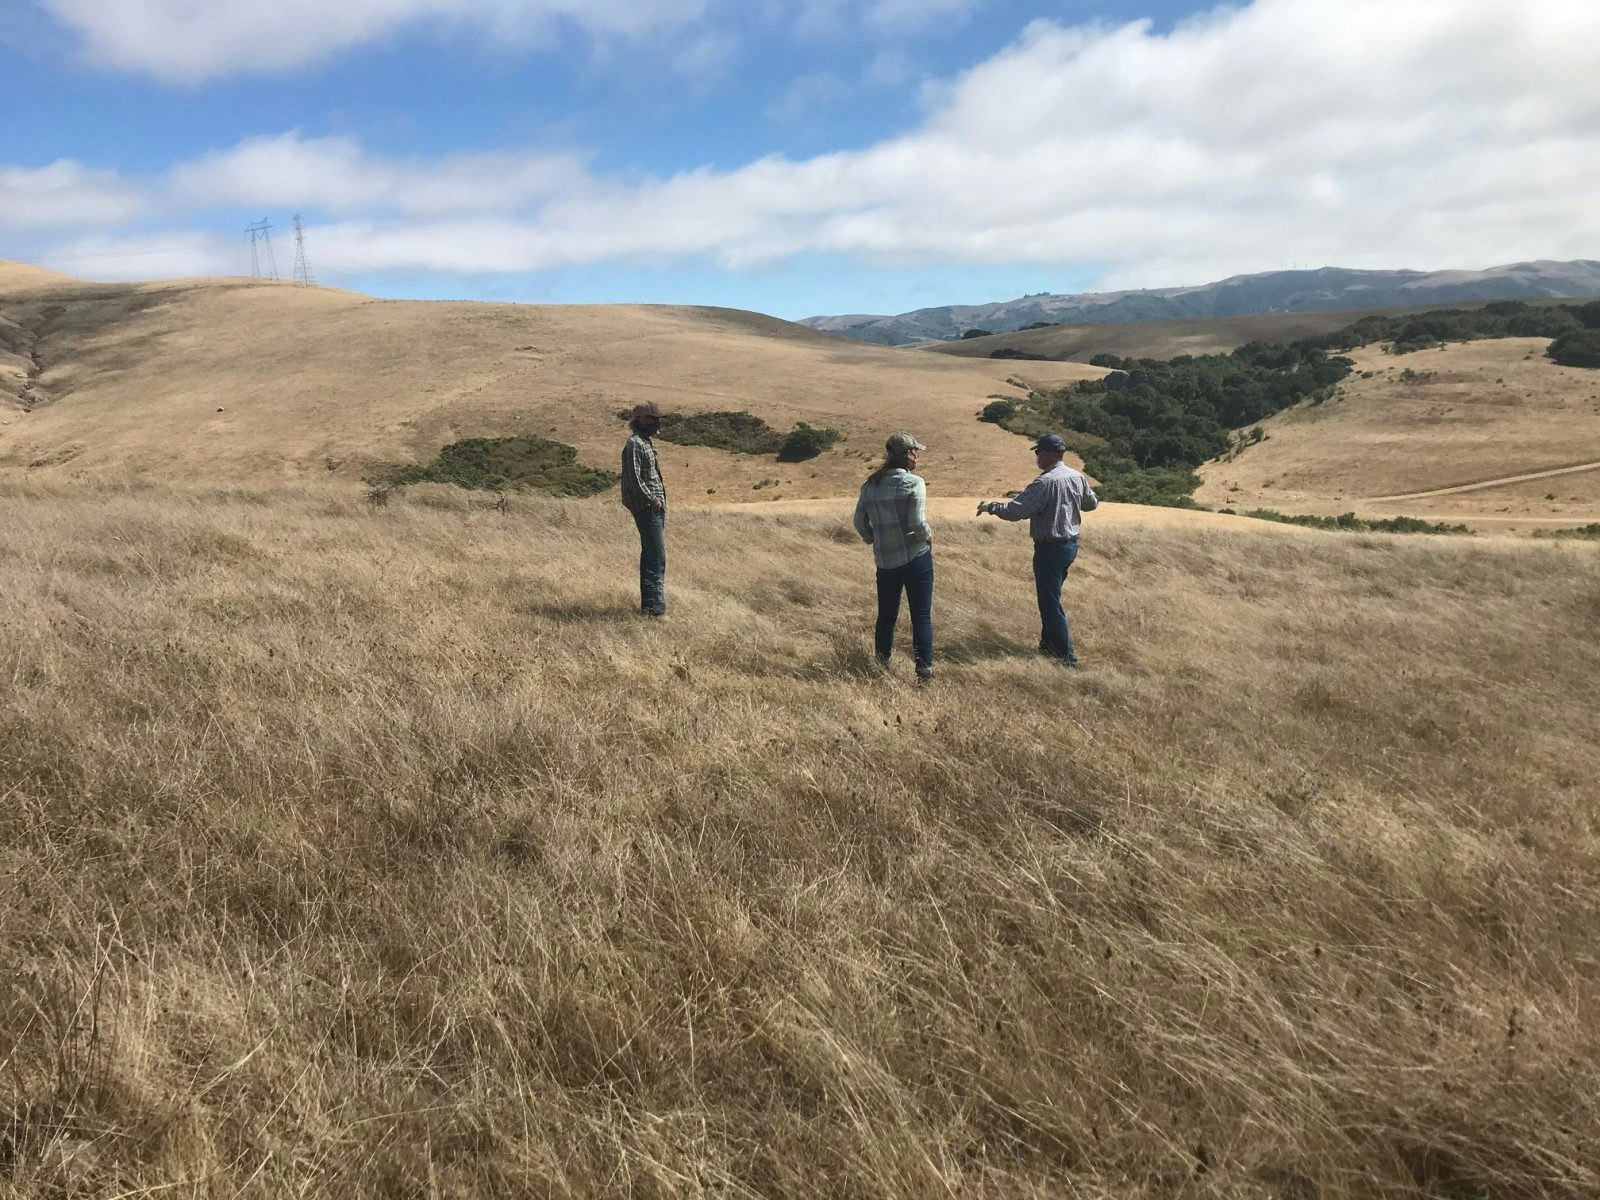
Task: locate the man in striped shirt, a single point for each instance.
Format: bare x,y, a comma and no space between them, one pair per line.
1053,505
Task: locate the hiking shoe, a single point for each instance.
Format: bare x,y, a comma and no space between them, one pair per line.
924,674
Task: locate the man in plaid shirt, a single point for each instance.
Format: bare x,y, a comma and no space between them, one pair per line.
645,496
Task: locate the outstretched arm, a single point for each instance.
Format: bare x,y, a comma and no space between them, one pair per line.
1020,507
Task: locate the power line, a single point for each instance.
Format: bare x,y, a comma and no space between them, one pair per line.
261,235
302,268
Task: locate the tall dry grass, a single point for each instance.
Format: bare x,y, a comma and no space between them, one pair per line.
384,852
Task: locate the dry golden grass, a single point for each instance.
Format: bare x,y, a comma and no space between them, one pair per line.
1474,412
228,380
384,852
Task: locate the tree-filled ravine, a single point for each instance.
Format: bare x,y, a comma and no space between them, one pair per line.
1146,426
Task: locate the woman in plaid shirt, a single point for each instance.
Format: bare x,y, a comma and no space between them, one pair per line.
891,516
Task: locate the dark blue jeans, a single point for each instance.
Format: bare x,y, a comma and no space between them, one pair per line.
915,579
652,560
1051,561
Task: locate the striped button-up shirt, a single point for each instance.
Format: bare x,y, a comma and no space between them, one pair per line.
642,487
892,516
1054,504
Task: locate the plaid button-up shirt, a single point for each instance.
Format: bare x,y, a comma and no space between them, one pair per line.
892,516
642,487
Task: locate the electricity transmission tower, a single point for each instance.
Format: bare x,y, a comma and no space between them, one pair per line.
302,268
261,236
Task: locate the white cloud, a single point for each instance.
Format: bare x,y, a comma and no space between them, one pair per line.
193,40
707,56
190,41
65,193
1434,133
805,95
171,254
335,175
900,16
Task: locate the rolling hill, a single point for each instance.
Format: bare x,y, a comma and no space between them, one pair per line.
206,381
246,379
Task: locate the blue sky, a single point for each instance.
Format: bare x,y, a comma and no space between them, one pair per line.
796,156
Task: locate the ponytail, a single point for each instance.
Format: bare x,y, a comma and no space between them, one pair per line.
890,462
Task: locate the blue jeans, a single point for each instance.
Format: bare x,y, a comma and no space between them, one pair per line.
652,560
1051,561
915,579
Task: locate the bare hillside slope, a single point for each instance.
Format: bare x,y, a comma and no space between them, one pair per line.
1453,432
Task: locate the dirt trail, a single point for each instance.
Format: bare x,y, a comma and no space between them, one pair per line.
1485,484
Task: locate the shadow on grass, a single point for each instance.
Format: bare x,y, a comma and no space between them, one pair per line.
983,646
856,661
578,611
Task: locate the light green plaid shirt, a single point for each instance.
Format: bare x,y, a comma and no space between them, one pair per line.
892,516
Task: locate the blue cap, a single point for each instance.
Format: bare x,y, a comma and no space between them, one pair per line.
1051,442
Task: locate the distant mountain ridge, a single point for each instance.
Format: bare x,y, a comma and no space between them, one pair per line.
1323,290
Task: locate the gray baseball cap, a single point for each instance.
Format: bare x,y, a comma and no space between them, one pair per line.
900,443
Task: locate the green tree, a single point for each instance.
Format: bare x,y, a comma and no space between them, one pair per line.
806,441
1580,348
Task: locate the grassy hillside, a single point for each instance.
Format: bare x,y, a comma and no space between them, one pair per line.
1169,339
239,379
384,852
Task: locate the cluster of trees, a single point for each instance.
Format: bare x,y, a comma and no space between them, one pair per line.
1423,331
1580,348
1350,523
1584,533
1143,429
745,433
524,463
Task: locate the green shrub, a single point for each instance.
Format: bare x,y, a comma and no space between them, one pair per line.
1350,523
741,432
996,411
1580,348
806,441
975,333
523,463
1012,352
1584,533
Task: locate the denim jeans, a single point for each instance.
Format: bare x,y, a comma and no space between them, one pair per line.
915,579
652,560
1051,561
